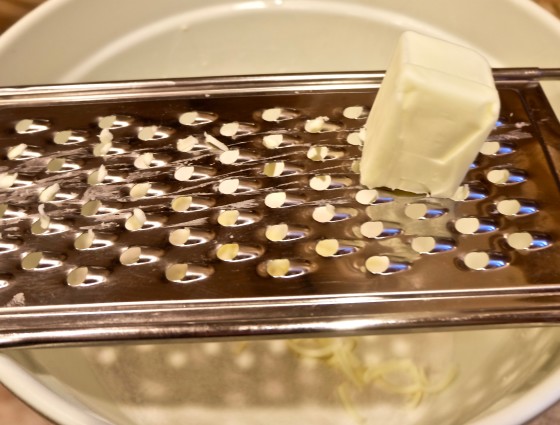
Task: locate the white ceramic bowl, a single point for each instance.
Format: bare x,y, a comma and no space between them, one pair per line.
505,376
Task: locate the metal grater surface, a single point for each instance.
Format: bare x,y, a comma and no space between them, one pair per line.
231,207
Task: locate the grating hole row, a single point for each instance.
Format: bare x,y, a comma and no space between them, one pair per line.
222,141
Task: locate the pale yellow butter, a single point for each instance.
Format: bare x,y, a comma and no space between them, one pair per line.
434,110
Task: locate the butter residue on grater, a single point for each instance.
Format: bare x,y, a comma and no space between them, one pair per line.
231,207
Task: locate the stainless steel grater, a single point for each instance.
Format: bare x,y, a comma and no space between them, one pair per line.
231,207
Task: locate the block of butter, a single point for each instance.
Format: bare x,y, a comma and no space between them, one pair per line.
434,109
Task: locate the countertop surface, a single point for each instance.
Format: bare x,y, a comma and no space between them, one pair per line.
15,412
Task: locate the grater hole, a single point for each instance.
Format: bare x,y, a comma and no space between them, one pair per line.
520,240
69,137
317,153
102,149
229,157
7,180
502,176
276,232
378,230
228,186
181,203
416,211
130,256
84,240
228,218
38,261
31,261
473,191
16,151
327,247
514,207
320,183
228,252
273,141
320,125
97,176
274,169
423,244
139,190
278,267
324,214
190,273
528,241
187,144
177,272
275,200
91,208
179,237
272,114
49,193
144,161
366,196
383,265
495,148
490,148
77,276
477,260
229,129
29,126
195,118
316,125
355,112
420,211
114,122
354,139
154,133
183,174
86,276
473,225
296,268
430,245
136,220
279,114
480,260
467,225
